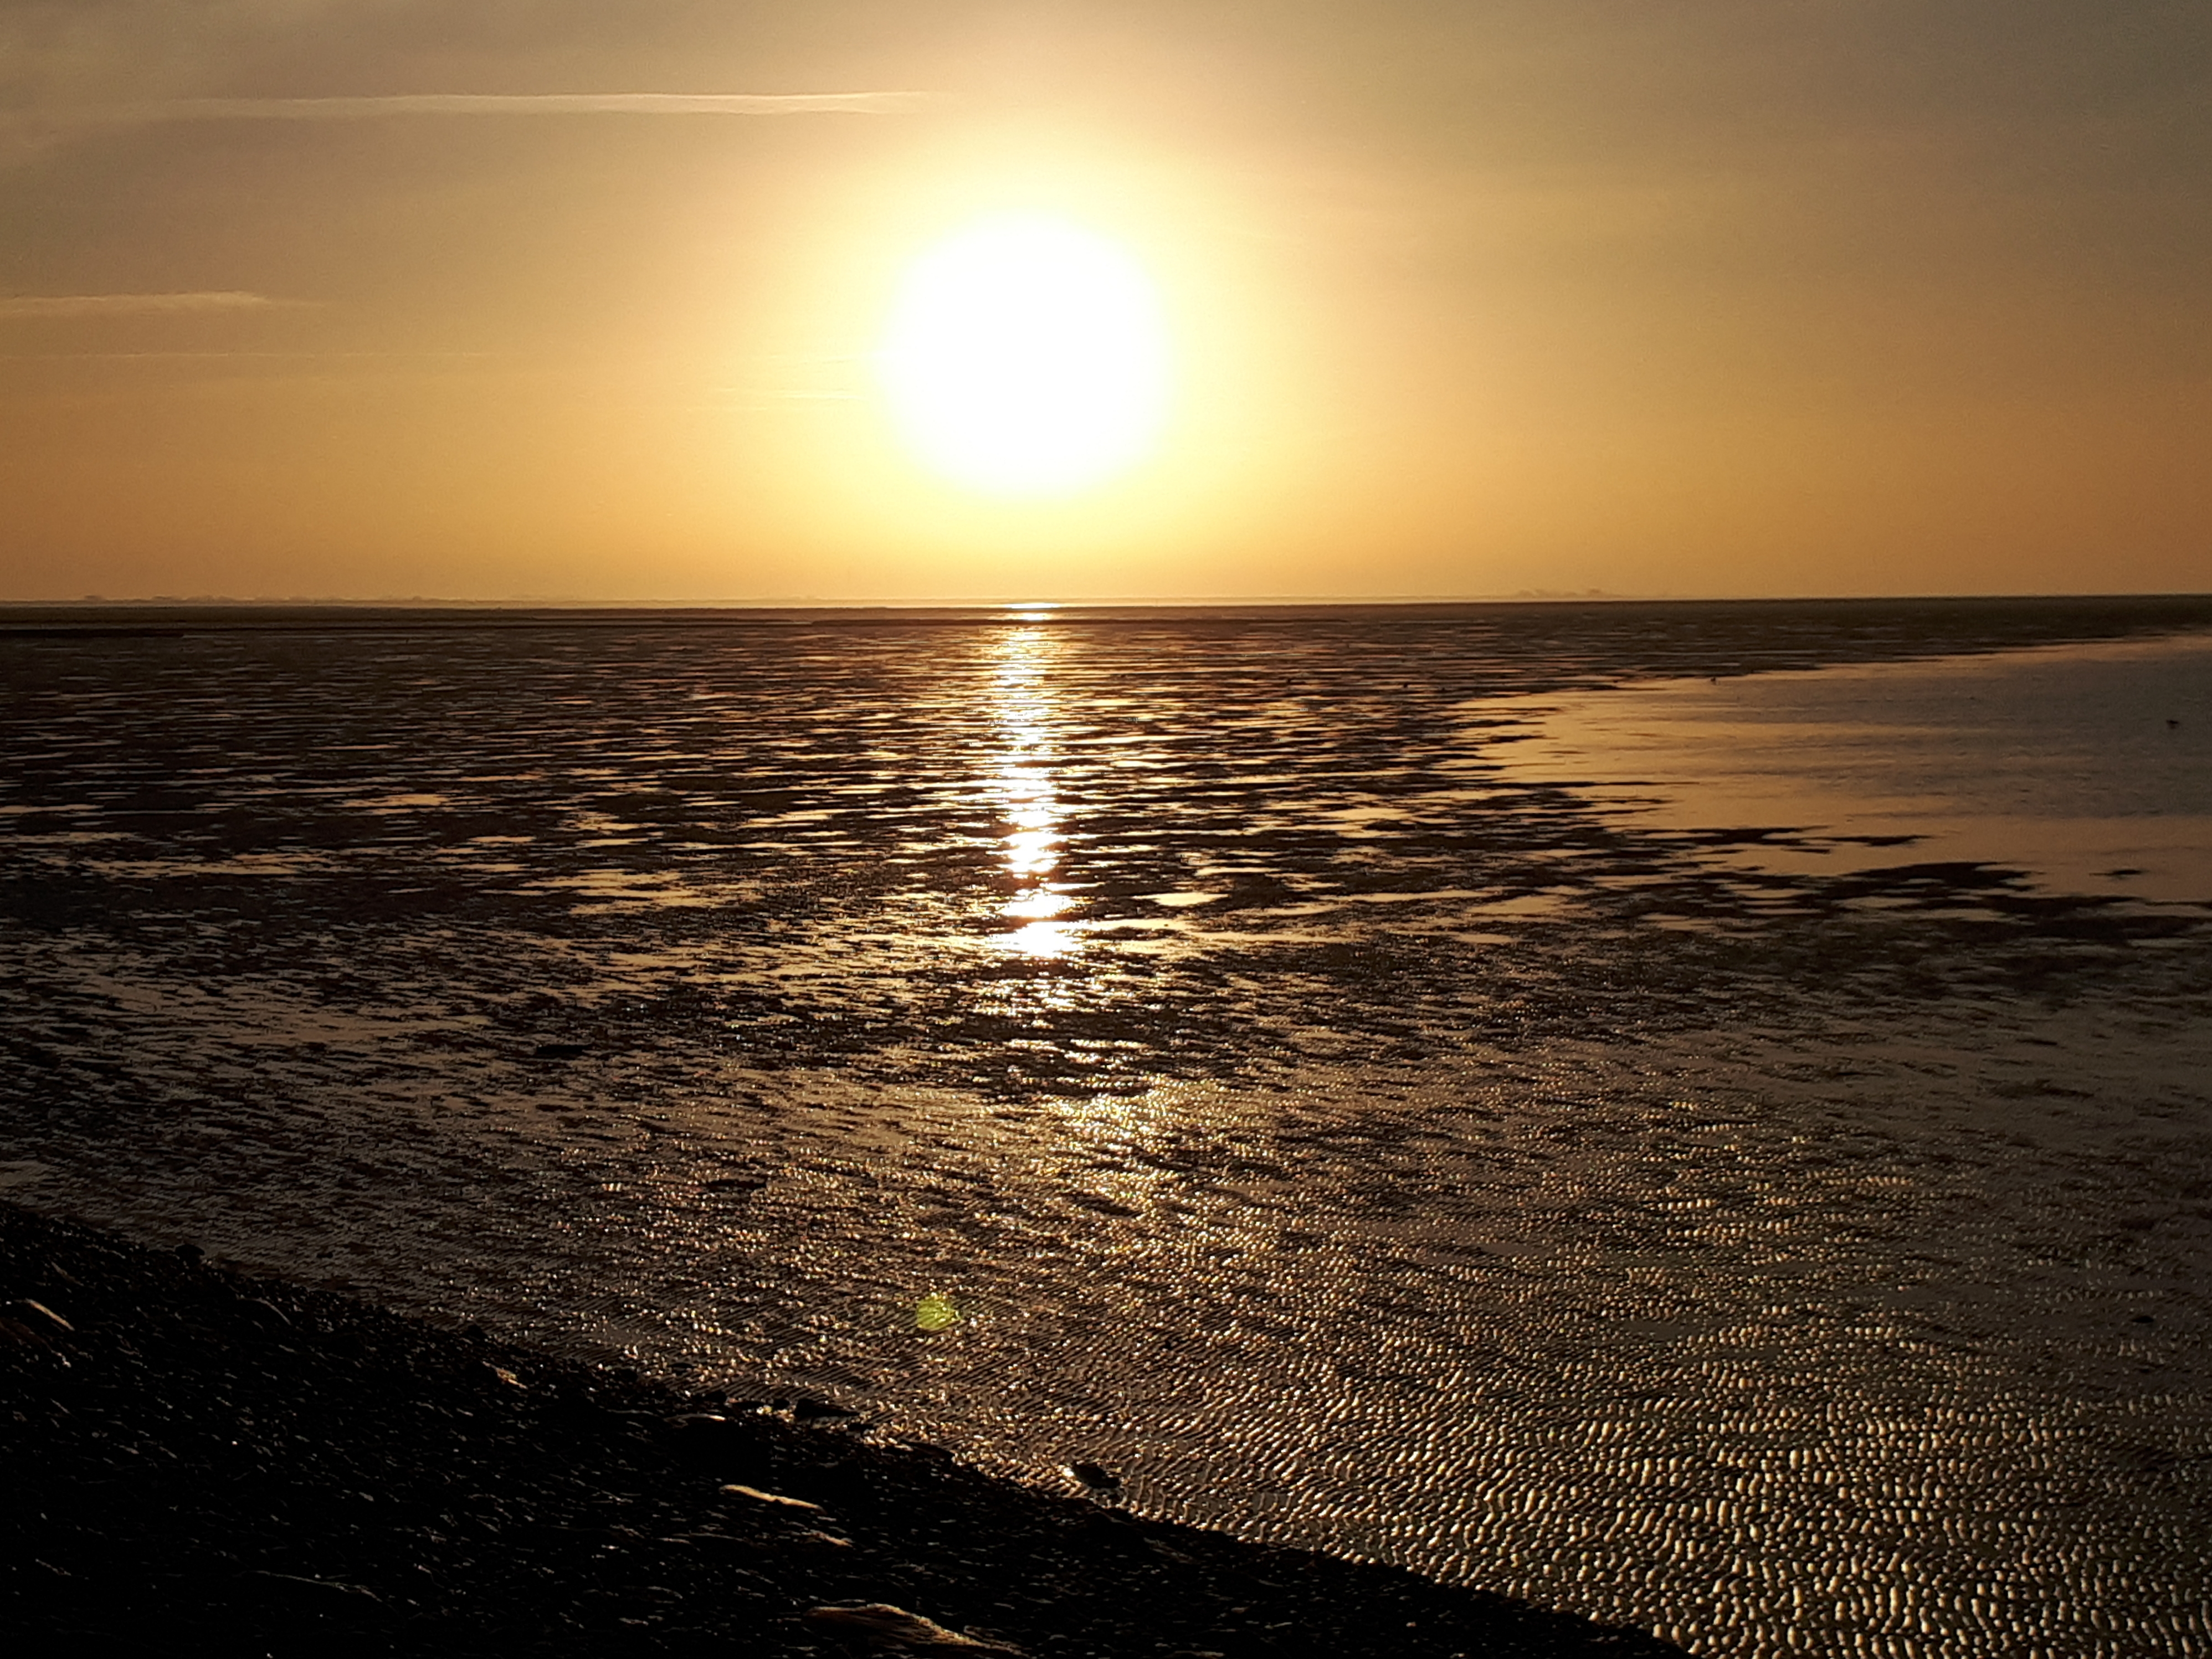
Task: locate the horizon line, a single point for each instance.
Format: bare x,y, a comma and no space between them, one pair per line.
805,601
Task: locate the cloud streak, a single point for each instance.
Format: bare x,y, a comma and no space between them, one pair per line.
134,305
554,103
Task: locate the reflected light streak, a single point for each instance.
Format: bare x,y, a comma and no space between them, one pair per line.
1024,707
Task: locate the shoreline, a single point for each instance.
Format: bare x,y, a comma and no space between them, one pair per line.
210,1461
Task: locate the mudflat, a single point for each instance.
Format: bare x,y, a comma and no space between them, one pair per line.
206,1461
1281,1057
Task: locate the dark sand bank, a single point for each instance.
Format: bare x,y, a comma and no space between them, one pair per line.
201,1462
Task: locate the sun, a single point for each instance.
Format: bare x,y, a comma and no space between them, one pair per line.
1027,356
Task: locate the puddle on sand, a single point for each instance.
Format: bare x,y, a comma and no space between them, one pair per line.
2088,765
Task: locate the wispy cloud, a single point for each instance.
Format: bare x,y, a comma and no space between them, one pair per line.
134,305
554,103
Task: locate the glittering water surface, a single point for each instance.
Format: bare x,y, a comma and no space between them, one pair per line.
1262,1045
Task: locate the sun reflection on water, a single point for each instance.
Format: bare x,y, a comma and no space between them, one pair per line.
1025,712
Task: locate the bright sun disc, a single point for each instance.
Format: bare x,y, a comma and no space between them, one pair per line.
1026,356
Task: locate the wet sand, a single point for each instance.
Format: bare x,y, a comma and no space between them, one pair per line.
1354,1140
204,1461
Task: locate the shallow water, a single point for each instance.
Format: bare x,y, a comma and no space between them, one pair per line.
1319,1104
2087,767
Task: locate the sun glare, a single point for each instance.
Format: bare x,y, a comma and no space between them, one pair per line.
1026,356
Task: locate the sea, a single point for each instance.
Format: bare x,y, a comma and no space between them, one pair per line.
1695,1113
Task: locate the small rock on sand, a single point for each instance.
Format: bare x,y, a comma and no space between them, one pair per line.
760,1496
883,1628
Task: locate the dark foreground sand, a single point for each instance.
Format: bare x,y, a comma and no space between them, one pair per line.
197,1462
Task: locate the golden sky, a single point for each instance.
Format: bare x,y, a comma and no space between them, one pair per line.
563,299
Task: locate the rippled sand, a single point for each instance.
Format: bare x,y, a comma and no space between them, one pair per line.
1305,1107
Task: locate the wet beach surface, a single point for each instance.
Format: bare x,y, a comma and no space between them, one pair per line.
208,1462
1291,1102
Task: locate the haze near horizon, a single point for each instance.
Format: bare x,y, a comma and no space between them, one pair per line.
347,299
